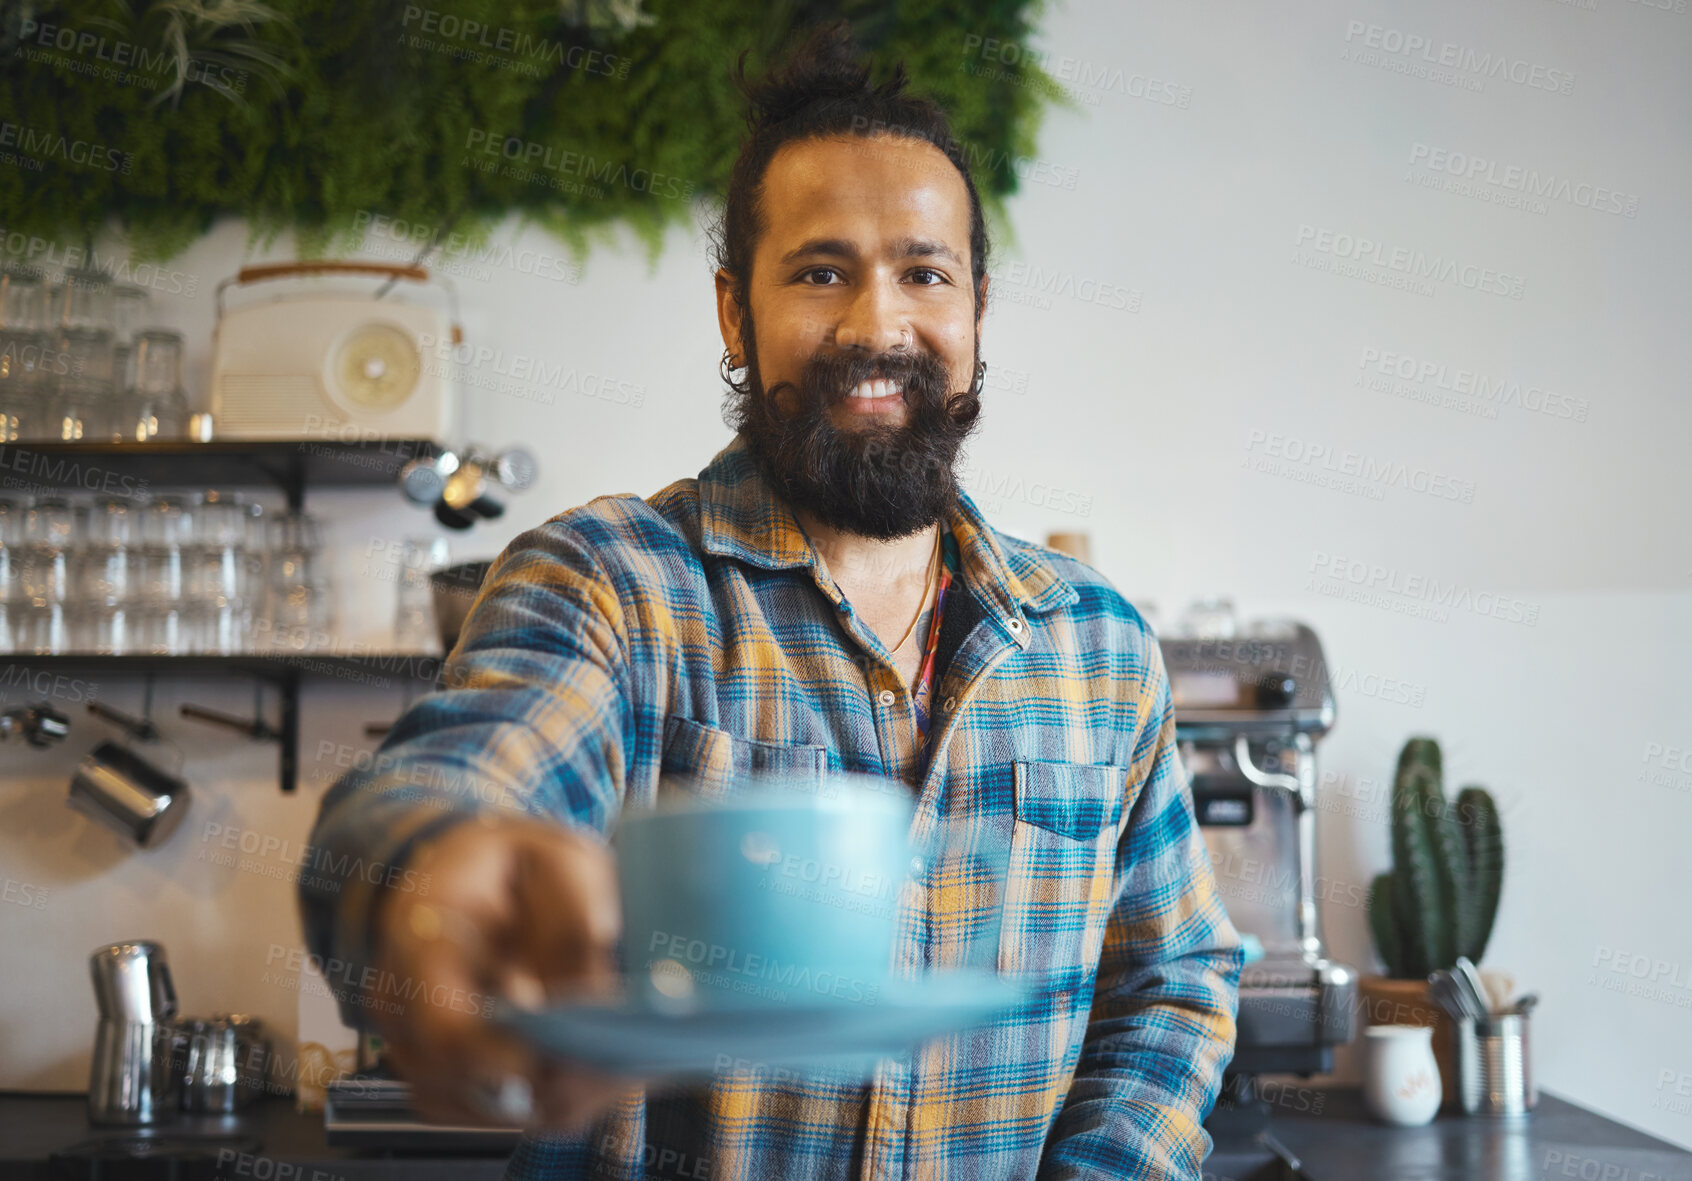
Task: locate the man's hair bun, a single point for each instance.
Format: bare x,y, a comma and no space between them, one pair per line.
825,71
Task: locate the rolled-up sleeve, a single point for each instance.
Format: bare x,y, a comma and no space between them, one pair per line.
1162,1024
531,716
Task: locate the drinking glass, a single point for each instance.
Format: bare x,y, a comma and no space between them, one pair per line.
158,361
155,407
23,295
78,411
23,322
129,311
49,530
167,542
1208,617
19,354
81,399
221,582
414,605
11,537
298,602
85,300
145,417
108,576
11,594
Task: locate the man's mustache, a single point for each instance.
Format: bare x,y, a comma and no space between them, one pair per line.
830,377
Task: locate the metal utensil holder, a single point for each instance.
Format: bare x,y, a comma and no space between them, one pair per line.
1495,1070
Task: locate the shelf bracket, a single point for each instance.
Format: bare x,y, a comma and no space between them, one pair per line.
290,753
286,735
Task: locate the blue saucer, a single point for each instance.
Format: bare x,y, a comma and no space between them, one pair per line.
620,1038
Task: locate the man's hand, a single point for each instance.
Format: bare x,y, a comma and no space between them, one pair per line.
515,908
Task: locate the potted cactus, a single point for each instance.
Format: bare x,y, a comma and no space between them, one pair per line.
1439,899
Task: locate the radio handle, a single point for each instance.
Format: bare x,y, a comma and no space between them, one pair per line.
289,270
279,270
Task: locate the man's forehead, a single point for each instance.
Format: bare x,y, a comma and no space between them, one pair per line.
885,192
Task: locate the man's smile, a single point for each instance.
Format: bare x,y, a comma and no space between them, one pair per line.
876,396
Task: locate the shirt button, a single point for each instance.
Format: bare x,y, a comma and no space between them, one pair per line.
885,697
1016,627
917,866
951,703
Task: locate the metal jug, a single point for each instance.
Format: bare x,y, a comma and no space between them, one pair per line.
130,1080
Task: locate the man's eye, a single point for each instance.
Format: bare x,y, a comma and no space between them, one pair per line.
810,276
933,276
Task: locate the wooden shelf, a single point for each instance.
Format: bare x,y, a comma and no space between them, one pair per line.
401,667
286,671
136,469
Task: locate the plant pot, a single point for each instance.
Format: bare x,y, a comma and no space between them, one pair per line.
1389,1001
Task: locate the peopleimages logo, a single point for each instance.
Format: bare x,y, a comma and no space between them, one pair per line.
1527,181
1489,390
530,154
95,56
508,42
1387,473
1092,79
1404,48
1373,580
1415,264
36,143
455,246
45,252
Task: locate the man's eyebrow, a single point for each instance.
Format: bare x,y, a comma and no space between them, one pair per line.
841,248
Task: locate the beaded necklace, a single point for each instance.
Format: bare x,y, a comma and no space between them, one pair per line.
925,671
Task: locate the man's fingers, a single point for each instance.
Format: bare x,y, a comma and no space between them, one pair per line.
569,1098
460,1063
573,883
525,911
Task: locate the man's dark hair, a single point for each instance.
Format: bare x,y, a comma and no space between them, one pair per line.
822,91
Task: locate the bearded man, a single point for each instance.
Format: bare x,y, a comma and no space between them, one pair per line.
822,596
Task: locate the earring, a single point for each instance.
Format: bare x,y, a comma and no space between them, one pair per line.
980,378
727,366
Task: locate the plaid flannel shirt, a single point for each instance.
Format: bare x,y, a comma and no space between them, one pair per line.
698,631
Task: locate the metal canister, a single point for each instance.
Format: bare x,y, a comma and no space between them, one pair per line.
222,1062
1495,1069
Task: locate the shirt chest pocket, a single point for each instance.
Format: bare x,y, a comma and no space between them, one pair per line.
708,759
1058,884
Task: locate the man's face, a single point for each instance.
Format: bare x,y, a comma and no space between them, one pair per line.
863,325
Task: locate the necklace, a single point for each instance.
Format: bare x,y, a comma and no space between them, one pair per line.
924,601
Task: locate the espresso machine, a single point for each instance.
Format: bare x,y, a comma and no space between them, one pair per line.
1249,710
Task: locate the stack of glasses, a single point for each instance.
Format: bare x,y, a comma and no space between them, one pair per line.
170,575
77,366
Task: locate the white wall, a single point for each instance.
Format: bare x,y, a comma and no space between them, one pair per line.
1155,421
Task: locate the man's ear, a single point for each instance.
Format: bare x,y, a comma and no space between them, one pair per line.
728,317
981,303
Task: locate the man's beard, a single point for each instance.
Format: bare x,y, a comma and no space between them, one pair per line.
879,481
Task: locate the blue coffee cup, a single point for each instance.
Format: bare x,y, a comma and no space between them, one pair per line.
785,894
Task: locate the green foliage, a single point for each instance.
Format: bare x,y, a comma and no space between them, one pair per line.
159,116
1441,896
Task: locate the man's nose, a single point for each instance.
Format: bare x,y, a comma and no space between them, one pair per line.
874,323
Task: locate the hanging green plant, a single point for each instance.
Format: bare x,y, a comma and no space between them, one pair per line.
158,116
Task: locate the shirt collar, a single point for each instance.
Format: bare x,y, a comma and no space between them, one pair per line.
742,517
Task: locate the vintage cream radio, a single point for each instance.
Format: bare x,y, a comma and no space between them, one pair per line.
341,364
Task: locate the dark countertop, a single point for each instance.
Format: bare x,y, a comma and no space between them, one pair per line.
1327,1128
1336,1140
269,1141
